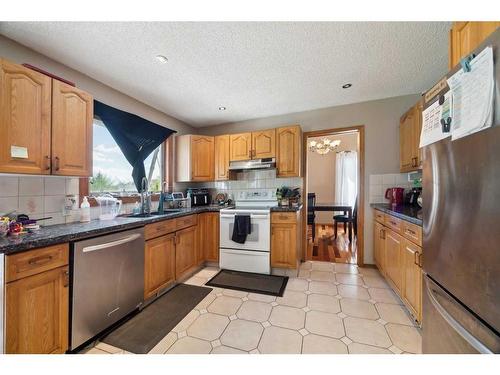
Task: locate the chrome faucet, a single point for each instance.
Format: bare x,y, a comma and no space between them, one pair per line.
145,197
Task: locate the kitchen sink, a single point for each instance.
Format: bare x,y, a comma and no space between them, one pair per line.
156,213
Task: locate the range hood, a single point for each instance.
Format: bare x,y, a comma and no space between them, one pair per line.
266,163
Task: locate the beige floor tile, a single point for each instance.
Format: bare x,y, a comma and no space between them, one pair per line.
294,299
95,351
164,344
384,295
323,302
277,340
206,301
324,324
255,311
261,297
208,272
346,268
108,348
368,271
358,308
322,266
187,321
306,266
323,287
349,278
227,350
190,345
375,282
287,317
304,274
353,291
406,338
198,281
235,293
208,326
314,344
242,334
322,276
297,285
393,313
225,305
357,348
366,331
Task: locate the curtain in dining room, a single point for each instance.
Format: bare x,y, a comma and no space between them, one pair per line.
346,177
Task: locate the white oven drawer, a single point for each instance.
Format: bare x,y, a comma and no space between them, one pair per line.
245,261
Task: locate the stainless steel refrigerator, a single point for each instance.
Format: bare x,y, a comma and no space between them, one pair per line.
461,243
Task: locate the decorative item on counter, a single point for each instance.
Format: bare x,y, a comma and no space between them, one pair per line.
85,211
288,197
15,228
221,199
4,226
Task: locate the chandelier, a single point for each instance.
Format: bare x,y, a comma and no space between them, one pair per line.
324,146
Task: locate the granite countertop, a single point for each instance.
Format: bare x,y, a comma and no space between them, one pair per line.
413,214
61,233
286,209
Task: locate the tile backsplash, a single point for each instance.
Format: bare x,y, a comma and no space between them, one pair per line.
38,196
379,183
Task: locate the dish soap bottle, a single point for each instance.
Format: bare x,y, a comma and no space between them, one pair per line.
85,211
188,199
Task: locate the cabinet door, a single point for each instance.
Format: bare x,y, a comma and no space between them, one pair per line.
406,141
185,251
393,250
288,151
412,283
202,158
379,246
159,263
264,144
417,129
466,36
240,146
284,245
208,237
72,118
25,118
37,313
222,157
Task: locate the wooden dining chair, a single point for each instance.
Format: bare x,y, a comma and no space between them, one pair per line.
348,221
311,216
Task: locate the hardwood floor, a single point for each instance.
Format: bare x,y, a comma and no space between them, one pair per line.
326,248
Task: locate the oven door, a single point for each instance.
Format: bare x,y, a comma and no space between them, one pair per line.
258,240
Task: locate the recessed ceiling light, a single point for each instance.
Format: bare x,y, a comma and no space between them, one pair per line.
347,85
161,59
222,108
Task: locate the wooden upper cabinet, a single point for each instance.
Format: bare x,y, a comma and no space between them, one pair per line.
264,144
222,157
240,146
410,126
25,120
466,36
72,117
159,262
37,313
288,151
202,158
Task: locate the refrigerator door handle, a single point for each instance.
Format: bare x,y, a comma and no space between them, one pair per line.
475,343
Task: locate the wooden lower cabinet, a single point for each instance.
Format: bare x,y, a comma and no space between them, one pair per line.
379,246
159,262
208,237
285,239
393,248
185,251
412,281
37,313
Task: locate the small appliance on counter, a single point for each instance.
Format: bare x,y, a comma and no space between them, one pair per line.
395,195
110,207
411,198
199,197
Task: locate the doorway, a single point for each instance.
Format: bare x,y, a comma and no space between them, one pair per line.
334,195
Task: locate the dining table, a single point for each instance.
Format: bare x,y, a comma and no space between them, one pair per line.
335,206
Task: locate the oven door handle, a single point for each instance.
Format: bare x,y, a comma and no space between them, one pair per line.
252,216
247,252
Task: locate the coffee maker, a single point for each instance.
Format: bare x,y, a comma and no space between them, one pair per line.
411,197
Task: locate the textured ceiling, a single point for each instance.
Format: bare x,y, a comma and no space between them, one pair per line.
254,69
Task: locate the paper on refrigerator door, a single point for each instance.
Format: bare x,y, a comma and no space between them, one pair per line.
431,122
473,94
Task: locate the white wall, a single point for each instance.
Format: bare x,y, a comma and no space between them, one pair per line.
381,121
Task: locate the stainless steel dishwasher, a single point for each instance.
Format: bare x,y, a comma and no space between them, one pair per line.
108,282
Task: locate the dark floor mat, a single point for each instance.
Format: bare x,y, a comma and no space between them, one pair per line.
250,282
141,333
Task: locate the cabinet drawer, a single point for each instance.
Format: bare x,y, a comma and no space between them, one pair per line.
159,229
36,261
412,232
186,221
284,217
393,222
379,216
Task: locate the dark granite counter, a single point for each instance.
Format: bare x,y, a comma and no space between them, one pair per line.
286,209
55,234
409,213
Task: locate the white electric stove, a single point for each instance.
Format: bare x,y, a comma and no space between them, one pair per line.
254,254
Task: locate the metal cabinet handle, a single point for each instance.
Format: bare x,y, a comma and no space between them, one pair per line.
415,258
420,263
40,260
47,162
57,162
409,231
66,278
